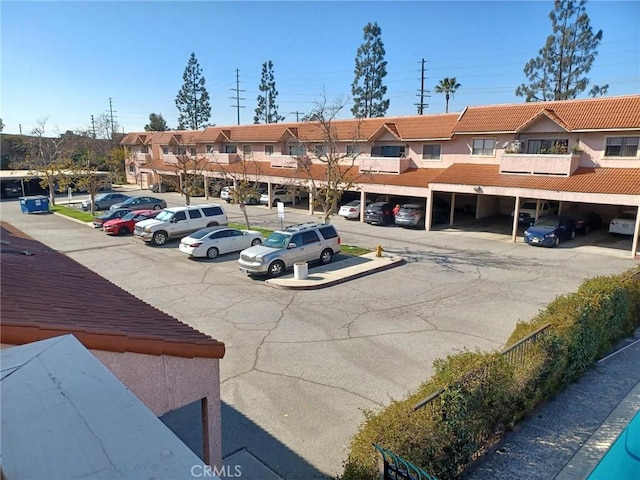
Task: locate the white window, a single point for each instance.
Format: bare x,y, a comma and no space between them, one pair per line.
621,147
431,152
268,149
246,149
483,146
132,169
395,151
181,150
230,149
353,150
144,149
320,150
193,151
210,149
165,149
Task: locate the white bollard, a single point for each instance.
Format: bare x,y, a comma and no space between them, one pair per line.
300,270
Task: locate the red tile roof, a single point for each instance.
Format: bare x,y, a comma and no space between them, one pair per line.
603,113
40,299
622,181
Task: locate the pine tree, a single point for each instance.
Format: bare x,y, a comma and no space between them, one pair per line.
157,123
267,110
559,71
370,68
193,99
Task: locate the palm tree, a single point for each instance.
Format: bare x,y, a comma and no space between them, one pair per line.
448,86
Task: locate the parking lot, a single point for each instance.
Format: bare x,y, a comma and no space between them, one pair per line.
302,365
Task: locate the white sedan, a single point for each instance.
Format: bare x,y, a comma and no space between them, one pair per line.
624,223
212,241
352,209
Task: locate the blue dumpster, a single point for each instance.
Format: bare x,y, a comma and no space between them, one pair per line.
34,204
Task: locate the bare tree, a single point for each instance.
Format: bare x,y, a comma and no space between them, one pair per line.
329,170
245,176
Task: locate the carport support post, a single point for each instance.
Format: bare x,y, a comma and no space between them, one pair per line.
363,199
634,246
453,207
269,192
428,210
310,201
516,216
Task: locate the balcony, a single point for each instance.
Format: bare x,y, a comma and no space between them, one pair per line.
285,161
141,158
170,158
394,165
222,158
539,164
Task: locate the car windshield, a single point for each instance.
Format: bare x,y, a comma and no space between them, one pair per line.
129,216
164,216
529,205
547,222
277,240
626,216
355,203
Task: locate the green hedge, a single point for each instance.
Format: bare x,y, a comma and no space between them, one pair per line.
483,394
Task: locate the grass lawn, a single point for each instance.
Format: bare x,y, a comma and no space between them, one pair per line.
72,212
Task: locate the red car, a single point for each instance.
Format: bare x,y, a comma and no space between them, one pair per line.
121,226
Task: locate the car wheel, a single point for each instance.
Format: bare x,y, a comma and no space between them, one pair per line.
275,202
256,241
212,252
252,201
573,234
326,256
123,231
160,238
556,242
276,268
212,224
157,207
296,200
586,229
96,207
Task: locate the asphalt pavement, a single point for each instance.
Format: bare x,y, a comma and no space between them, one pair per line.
302,365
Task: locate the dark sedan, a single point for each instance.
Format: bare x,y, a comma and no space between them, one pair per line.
549,230
98,222
141,203
379,213
587,222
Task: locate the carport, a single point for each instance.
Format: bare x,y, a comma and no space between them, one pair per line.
599,186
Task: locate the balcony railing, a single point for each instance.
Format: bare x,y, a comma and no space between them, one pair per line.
170,158
395,165
539,164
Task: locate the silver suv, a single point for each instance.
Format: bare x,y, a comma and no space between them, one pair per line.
306,242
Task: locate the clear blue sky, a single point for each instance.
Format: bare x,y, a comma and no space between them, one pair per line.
64,60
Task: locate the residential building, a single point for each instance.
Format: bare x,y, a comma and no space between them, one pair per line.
580,153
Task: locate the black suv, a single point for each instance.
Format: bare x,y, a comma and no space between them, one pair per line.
379,213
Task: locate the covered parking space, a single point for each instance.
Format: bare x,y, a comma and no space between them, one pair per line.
608,188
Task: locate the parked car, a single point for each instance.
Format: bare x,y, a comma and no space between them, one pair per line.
379,213
141,203
549,230
212,241
624,223
162,187
126,224
587,222
411,215
306,242
177,222
527,213
226,195
110,215
104,201
351,210
284,196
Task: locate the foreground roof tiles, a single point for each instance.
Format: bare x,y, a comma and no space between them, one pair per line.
40,299
613,181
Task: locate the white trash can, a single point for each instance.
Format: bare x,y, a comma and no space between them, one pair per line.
300,270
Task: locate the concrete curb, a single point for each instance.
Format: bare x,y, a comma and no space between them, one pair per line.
335,275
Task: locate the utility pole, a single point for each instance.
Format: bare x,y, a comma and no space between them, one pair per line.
237,98
111,116
93,128
297,114
20,127
422,93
